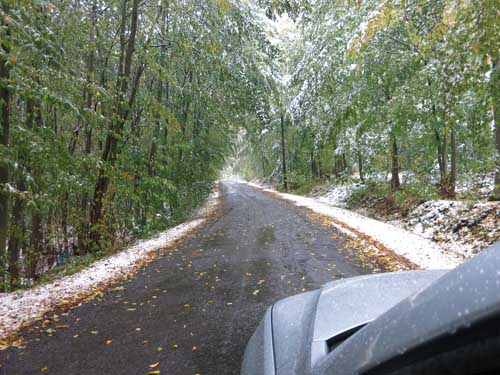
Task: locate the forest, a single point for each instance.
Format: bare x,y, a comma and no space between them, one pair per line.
404,91
117,116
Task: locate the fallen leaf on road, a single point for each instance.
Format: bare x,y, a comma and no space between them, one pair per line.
187,305
154,365
19,343
255,292
154,372
175,346
108,342
44,369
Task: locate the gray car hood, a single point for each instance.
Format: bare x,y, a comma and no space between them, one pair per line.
351,303
303,327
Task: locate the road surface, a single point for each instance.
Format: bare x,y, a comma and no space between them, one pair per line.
193,310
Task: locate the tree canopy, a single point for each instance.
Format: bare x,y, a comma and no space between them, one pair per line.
390,88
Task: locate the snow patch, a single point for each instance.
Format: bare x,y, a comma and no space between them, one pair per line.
461,227
339,195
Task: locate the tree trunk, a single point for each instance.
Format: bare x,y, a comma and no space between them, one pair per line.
35,243
188,78
35,121
83,226
452,179
54,119
64,220
445,180
122,110
4,137
360,167
395,182
344,166
283,152
313,165
16,237
495,98
154,142
496,190
443,162
439,152
336,164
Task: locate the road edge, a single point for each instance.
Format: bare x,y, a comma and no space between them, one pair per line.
428,256
19,309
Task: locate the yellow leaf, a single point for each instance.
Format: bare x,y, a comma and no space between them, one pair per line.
225,6
154,372
44,369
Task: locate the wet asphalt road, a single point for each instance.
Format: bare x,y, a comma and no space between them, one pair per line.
194,309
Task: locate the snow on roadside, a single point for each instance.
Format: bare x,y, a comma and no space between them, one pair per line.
458,226
22,307
417,249
338,195
481,185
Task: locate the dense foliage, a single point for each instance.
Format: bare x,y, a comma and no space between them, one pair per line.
116,117
387,89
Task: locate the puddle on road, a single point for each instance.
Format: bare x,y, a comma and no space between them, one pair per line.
265,235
